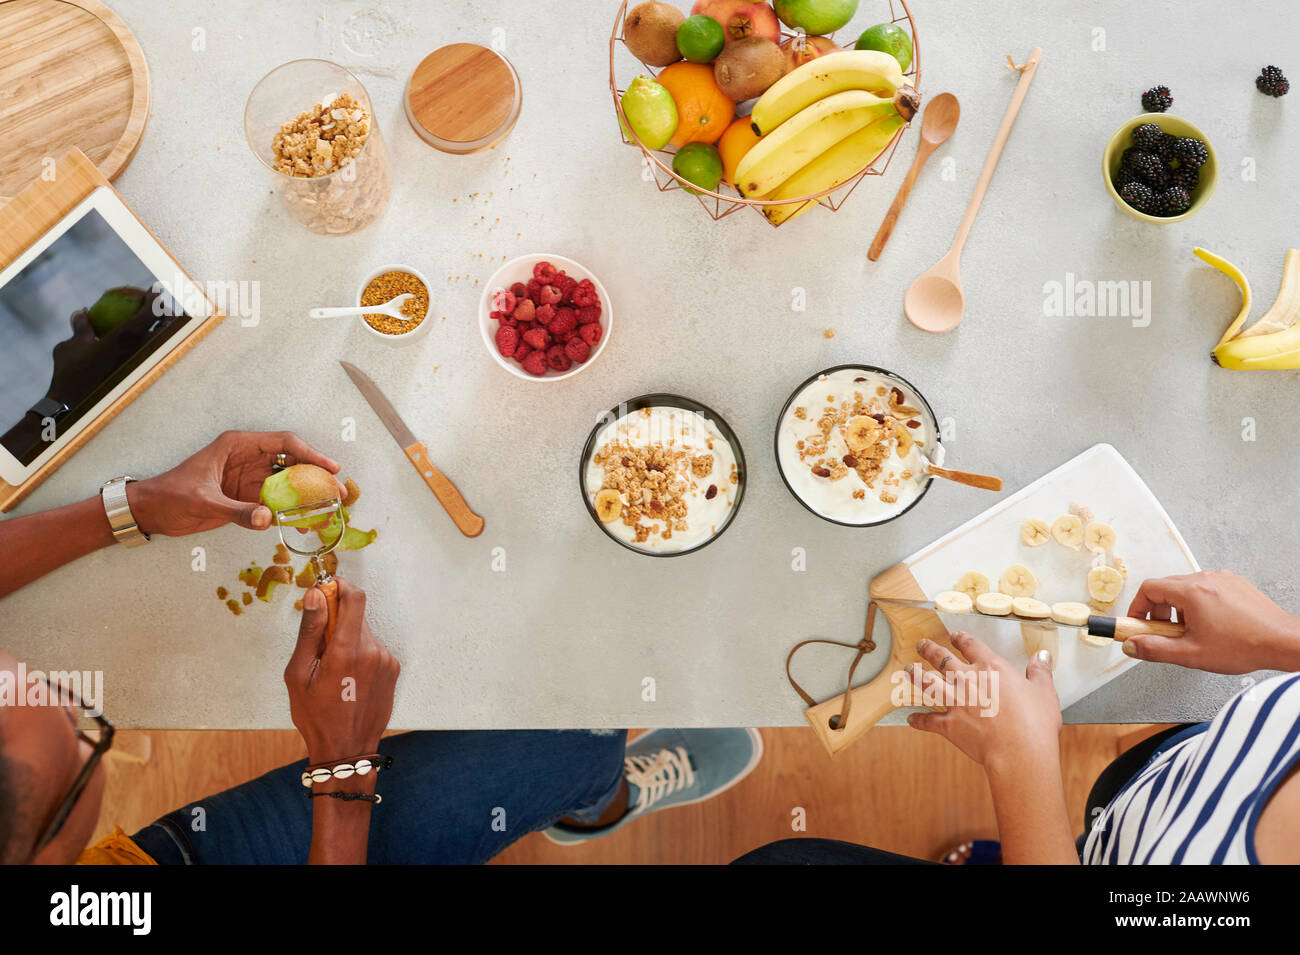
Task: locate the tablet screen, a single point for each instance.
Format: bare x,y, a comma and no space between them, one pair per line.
74,323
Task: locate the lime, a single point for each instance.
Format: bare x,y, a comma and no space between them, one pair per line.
888,38
700,164
650,111
700,38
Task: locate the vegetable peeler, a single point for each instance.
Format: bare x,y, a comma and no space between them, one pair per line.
329,520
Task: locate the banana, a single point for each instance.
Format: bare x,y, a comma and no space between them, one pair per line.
1068,531
825,76
972,584
1285,310
795,143
1029,607
1104,584
1071,614
608,505
834,167
1038,637
953,601
1098,537
860,433
1082,511
1120,565
1273,342
1034,533
995,605
1101,643
1018,581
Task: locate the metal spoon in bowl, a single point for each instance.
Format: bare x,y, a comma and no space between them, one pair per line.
392,308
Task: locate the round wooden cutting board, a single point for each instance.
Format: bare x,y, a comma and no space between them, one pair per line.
71,74
463,98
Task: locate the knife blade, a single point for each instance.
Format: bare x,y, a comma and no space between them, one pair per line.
469,523
1098,625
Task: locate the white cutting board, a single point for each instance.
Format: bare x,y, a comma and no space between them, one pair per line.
1146,539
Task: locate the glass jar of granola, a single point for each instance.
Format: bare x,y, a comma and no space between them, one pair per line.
311,124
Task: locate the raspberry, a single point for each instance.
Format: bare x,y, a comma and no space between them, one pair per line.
589,313
591,333
544,272
497,316
565,283
538,338
545,314
557,359
519,290
563,321
584,294
534,289
535,364
504,301
525,311
578,350
507,341
550,295
568,336
508,321
525,327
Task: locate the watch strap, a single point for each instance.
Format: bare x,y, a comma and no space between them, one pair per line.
118,510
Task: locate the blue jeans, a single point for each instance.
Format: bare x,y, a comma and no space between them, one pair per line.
453,797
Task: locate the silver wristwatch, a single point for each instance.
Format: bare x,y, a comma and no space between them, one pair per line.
118,509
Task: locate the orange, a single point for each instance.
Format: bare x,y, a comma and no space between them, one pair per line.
735,142
703,110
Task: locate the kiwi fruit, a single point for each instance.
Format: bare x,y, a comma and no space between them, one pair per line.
746,68
650,32
296,485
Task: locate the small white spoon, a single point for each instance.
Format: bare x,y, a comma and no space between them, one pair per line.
392,308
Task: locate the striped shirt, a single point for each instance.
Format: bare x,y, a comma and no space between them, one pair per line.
1199,797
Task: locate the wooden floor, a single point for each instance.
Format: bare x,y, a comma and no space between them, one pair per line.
896,789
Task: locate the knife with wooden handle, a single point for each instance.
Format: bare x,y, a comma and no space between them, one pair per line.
469,523
1098,625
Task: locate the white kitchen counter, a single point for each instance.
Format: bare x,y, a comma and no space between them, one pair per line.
568,631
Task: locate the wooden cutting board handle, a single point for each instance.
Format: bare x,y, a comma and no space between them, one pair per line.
470,524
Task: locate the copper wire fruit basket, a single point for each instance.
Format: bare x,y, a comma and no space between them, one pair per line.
719,204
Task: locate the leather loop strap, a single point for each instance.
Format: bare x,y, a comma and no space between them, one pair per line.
863,646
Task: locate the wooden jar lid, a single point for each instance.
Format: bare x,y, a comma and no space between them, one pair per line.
463,98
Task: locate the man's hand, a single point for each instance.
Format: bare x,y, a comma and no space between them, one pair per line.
1231,626
1025,728
340,692
220,484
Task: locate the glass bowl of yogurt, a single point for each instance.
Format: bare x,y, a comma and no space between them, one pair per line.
663,475
853,442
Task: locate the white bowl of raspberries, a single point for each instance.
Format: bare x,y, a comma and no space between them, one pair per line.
544,317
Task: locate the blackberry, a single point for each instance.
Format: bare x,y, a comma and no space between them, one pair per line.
1148,137
1191,152
1140,196
1174,201
1271,82
1166,149
1157,99
1124,177
1185,177
1150,168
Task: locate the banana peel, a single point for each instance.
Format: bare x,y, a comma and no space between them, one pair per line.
1273,342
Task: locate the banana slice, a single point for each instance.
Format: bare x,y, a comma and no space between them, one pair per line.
972,584
953,601
1120,565
1068,530
1101,606
1082,511
1034,533
1038,636
1071,613
860,433
609,505
1101,643
1104,584
996,605
1018,581
1098,537
1029,607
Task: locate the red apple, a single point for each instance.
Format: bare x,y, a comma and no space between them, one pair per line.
740,18
799,50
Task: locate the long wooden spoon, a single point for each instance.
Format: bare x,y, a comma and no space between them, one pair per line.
982,481
935,302
940,121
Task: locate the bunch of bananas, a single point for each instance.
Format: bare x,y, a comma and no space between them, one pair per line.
821,124
1274,340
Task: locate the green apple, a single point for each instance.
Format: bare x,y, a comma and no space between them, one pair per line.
113,308
815,17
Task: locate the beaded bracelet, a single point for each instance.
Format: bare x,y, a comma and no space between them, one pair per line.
348,797
359,766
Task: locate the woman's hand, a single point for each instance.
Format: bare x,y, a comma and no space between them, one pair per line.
996,716
340,692
220,484
1231,626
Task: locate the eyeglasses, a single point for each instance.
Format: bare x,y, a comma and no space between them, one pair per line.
98,747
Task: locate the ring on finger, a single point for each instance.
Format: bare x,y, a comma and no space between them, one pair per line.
281,461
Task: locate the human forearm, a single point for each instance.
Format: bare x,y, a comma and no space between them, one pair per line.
33,546
1029,802
340,830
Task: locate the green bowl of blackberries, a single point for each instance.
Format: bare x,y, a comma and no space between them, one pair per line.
1159,168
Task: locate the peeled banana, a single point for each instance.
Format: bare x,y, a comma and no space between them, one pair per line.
1104,584
1273,342
1018,581
953,601
1098,537
1034,532
993,604
1068,531
972,584
825,76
